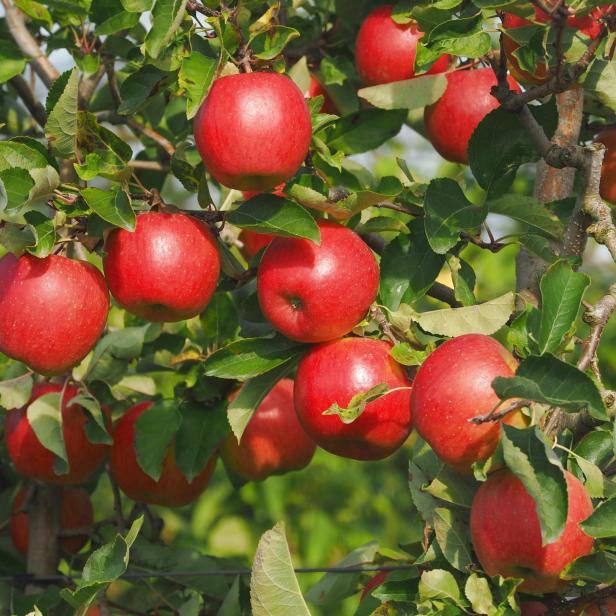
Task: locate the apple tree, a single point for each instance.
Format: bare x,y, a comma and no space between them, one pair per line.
261,233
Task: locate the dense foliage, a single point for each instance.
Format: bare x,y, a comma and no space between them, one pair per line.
112,137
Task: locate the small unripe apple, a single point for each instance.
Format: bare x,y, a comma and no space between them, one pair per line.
52,310
506,533
316,89
166,269
334,372
385,50
32,460
316,292
172,488
274,441
608,171
75,513
253,130
454,385
450,121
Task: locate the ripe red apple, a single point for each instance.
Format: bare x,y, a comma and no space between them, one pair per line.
316,89
253,130
455,384
450,121
314,293
588,25
336,371
608,171
52,310
75,512
32,460
506,534
253,242
165,270
273,443
385,50
172,489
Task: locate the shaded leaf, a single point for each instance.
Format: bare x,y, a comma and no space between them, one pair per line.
167,15
61,126
196,76
45,418
413,93
528,211
112,206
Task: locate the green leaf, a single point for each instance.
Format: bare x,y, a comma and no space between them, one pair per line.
45,418
477,591
357,404
44,233
332,587
117,22
549,380
18,184
365,130
12,61
439,584
599,567
104,565
463,278
137,88
562,291
104,163
61,126
137,6
154,430
250,357
300,74
406,355
167,15
409,267
267,213
36,11
600,81
112,206
452,537
602,521
200,433
500,144
274,590
251,394
528,211
413,93
448,212
536,465
196,76
96,430
15,393
269,44
485,318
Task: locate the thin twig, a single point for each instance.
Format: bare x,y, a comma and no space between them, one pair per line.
497,415
379,317
597,317
29,100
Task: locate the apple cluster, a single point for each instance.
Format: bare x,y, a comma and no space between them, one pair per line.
253,133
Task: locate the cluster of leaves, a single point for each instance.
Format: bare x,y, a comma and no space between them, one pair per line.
151,79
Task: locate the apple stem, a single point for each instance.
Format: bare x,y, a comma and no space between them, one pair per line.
496,415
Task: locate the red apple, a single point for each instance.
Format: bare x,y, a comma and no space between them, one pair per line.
336,371
253,130
273,443
75,512
385,50
165,270
314,293
172,489
450,121
506,533
316,89
455,384
52,310
608,171
253,242
588,25
32,460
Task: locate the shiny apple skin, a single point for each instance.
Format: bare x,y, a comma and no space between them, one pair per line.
253,130
75,512
334,372
453,385
608,171
172,489
314,293
450,121
316,89
32,460
165,270
274,441
52,311
385,50
506,533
